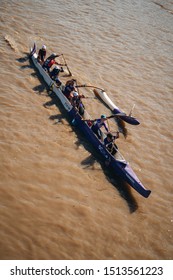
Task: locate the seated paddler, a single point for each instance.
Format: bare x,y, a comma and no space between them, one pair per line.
109,142
98,123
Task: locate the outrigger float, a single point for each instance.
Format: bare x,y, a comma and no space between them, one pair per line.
116,163
101,94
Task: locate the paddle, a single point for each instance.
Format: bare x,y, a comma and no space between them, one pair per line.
120,123
58,55
131,111
108,125
87,97
121,126
70,74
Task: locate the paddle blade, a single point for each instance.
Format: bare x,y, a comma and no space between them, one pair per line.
120,123
121,126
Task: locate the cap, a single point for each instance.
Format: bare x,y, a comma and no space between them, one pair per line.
75,93
44,47
103,116
53,54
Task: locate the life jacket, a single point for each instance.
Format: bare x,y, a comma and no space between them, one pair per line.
51,62
98,124
68,89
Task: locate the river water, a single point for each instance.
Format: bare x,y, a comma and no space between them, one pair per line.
57,200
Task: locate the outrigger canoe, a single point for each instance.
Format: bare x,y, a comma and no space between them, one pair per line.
101,94
117,163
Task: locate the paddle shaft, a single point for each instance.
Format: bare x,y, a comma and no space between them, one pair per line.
67,65
131,111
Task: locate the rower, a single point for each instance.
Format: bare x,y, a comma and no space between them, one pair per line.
109,143
98,123
69,89
50,61
55,73
41,55
76,102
